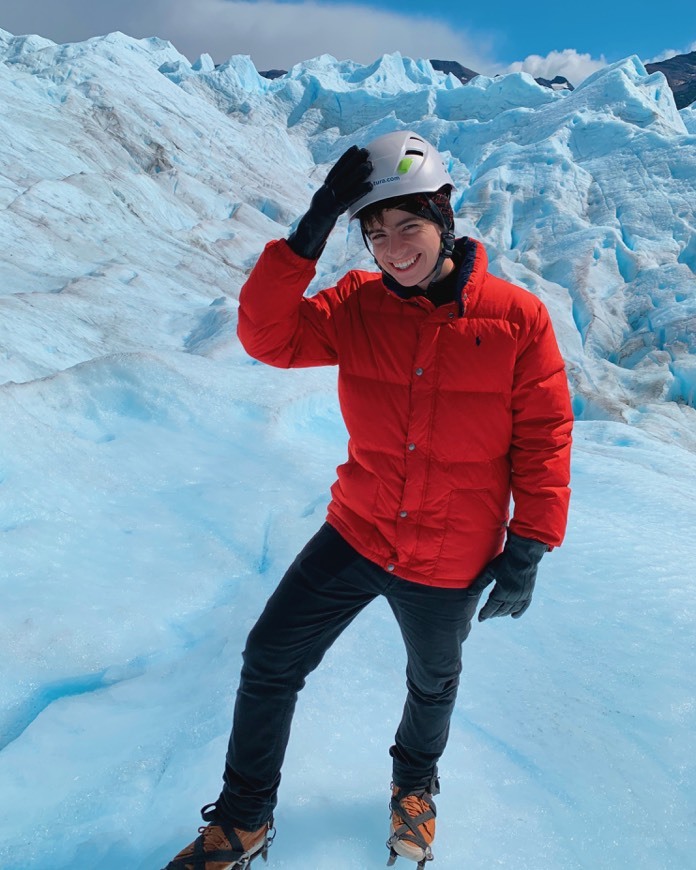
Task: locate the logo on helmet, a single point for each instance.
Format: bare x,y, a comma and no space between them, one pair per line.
404,165
386,180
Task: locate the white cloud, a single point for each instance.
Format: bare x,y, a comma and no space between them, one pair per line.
671,52
274,34
281,34
569,63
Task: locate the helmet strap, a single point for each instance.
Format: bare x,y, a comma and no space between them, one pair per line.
446,251
447,240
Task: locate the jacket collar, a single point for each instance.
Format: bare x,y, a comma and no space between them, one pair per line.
470,257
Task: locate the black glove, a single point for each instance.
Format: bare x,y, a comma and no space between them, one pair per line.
345,183
514,572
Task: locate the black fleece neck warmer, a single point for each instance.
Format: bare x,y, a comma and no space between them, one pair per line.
449,289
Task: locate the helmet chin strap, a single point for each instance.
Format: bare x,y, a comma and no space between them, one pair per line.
446,251
447,239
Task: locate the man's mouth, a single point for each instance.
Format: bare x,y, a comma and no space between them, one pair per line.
405,264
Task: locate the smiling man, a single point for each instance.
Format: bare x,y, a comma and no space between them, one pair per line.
455,398
405,247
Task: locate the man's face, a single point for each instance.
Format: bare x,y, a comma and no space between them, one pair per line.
406,247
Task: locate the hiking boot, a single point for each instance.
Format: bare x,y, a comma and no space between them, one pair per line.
412,829
222,847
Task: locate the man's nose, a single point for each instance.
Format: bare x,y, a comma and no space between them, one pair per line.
395,244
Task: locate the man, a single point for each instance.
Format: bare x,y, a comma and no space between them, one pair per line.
455,397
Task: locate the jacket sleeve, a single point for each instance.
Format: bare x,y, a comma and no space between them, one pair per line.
541,436
277,324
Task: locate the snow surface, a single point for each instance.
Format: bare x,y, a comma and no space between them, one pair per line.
155,482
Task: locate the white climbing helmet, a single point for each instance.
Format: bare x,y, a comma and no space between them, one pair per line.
403,164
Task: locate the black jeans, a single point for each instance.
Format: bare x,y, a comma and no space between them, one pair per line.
324,589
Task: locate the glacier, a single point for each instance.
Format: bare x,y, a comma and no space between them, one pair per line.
155,481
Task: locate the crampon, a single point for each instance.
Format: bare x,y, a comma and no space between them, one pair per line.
222,847
428,856
412,826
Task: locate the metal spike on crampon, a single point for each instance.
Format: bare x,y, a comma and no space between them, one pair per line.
394,855
245,862
268,842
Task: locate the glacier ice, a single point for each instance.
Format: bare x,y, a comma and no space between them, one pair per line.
154,481
584,197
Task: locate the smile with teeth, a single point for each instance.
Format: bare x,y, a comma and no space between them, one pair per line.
406,264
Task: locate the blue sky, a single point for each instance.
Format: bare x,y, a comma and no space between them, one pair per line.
567,38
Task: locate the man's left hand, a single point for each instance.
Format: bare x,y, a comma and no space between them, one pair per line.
514,573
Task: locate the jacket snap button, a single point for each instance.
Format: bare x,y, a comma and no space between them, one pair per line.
451,315
403,513
419,371
390,567
411,446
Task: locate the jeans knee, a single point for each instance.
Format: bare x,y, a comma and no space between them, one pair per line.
434,691
264,664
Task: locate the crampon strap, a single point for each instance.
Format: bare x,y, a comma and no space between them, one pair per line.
409,830
234,853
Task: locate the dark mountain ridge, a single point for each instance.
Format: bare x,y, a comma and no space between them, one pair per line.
680,72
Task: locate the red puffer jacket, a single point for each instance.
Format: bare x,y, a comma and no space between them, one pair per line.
449,409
